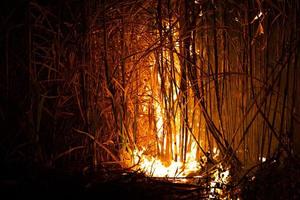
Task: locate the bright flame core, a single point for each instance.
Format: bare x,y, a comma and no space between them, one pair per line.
152,166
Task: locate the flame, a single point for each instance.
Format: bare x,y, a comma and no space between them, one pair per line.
155,167
152,166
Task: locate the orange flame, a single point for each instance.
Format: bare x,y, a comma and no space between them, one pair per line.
155,167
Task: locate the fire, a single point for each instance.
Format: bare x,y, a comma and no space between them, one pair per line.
171,145
152,166
155,167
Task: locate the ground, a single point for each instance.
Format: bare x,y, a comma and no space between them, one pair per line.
274,180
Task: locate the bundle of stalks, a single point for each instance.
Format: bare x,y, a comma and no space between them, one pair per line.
173,79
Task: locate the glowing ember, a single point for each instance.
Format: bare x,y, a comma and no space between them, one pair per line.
221,177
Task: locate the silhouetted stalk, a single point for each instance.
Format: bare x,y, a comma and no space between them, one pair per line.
216,71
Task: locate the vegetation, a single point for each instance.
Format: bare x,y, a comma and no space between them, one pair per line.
88,82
